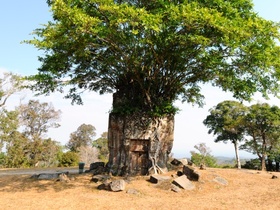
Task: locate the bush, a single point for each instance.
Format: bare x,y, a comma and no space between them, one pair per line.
252,164
69,159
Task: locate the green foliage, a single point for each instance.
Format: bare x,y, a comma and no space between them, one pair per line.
203,156
152,53
82,137
226,121
8,124
102,145
17,151
252,164
2,159
262,125
69,159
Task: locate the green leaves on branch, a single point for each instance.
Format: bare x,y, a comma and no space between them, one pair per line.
156,52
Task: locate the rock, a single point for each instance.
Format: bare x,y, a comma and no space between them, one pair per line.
48,176
220,180
274,177
117,185
184,161
95,165
156,178
104,186
98,170
100,178
183,182
202,167
133,191
63,178
175,188
191,173
179,173
175,162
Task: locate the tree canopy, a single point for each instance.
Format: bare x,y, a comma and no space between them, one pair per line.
226,121
156,52
83,136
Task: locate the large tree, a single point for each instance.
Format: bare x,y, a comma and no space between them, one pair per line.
151,53
36,119
262,125
226,122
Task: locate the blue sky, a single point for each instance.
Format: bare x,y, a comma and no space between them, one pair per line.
19,18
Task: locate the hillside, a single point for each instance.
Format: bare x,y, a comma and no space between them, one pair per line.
246,189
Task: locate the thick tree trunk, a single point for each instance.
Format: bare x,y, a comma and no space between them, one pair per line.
139,144
237,155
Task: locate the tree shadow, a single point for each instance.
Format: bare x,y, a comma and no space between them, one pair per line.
24,183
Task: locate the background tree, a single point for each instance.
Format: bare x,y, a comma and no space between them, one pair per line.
9,84
88,154
102,145
226,121
261,123
152,53
203,156
83,136
36,119
9,123
17,151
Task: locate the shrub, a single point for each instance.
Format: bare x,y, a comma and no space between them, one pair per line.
69,159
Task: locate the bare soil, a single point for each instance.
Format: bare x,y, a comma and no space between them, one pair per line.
246,189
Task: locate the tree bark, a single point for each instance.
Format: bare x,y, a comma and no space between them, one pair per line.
237,154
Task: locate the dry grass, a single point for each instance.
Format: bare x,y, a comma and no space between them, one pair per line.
245,190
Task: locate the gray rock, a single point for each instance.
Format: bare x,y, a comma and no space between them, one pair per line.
184,183
156,178
191,173
133,191
220,180
63,178
175,162
100,178
175,188
184,161
117,185
48,176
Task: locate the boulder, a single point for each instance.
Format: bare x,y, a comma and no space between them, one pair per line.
274,177
100,178
191,173
95,165
183,182
98,170
63,178
184,161
175,188
156,178
175,162
220,180
117,185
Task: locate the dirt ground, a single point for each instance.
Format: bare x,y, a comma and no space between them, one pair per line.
246,189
